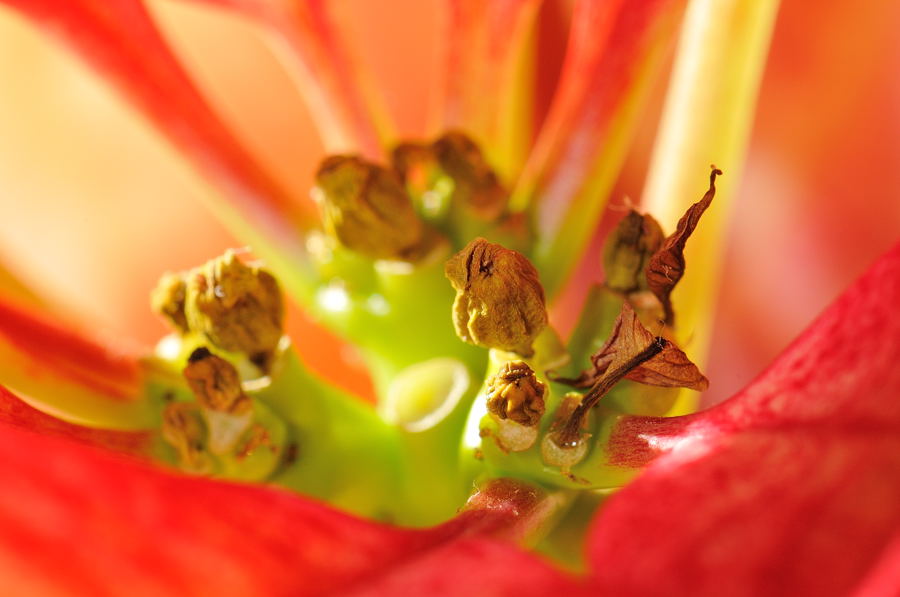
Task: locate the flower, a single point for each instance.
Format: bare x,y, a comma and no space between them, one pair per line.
818,420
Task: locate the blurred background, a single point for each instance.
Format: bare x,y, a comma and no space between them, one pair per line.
94,206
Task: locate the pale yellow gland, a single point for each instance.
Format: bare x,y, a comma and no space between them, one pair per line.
216,384
515,393
367,209
628,249
237,307
184,429
168,299
499,299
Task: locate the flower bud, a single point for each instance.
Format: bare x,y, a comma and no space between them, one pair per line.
183,428
515,393
168,298
628,249
367,209
216,383
475,183
237,307
499,299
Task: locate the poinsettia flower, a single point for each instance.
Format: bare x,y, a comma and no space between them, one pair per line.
818,415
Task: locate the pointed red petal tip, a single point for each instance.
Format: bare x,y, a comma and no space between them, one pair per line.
15,412
120,40
76,521
790,487
41,349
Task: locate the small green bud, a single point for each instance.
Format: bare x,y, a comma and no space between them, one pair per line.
499,299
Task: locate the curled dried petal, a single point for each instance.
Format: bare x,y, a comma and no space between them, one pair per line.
515,393
499,299
666,266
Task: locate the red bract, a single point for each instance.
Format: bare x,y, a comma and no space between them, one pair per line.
790,487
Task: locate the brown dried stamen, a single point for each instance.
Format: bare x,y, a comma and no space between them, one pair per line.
568,436
184,429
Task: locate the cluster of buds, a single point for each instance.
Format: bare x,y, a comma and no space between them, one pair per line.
236,309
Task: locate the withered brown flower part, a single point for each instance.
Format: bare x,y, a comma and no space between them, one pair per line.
168,300
476,183
666,266
669,367
515,393
216,383
367,209
184,429
237,307
455,158
499,299
628,250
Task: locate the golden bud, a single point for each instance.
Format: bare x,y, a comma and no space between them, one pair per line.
168,298
515,393
628,249
367,209
216,383
238,307
499,299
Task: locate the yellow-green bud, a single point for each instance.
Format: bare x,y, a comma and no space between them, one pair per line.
499,299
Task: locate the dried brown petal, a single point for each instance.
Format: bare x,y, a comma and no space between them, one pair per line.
238,307
168,298
366,208
669,368
666,266
628,249
499,299
515,393
216,384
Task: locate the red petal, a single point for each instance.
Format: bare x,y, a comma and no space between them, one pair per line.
120,40
583,141
483,43
336,89
842,370
15,412
792,486
793,511
79,522
44,350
